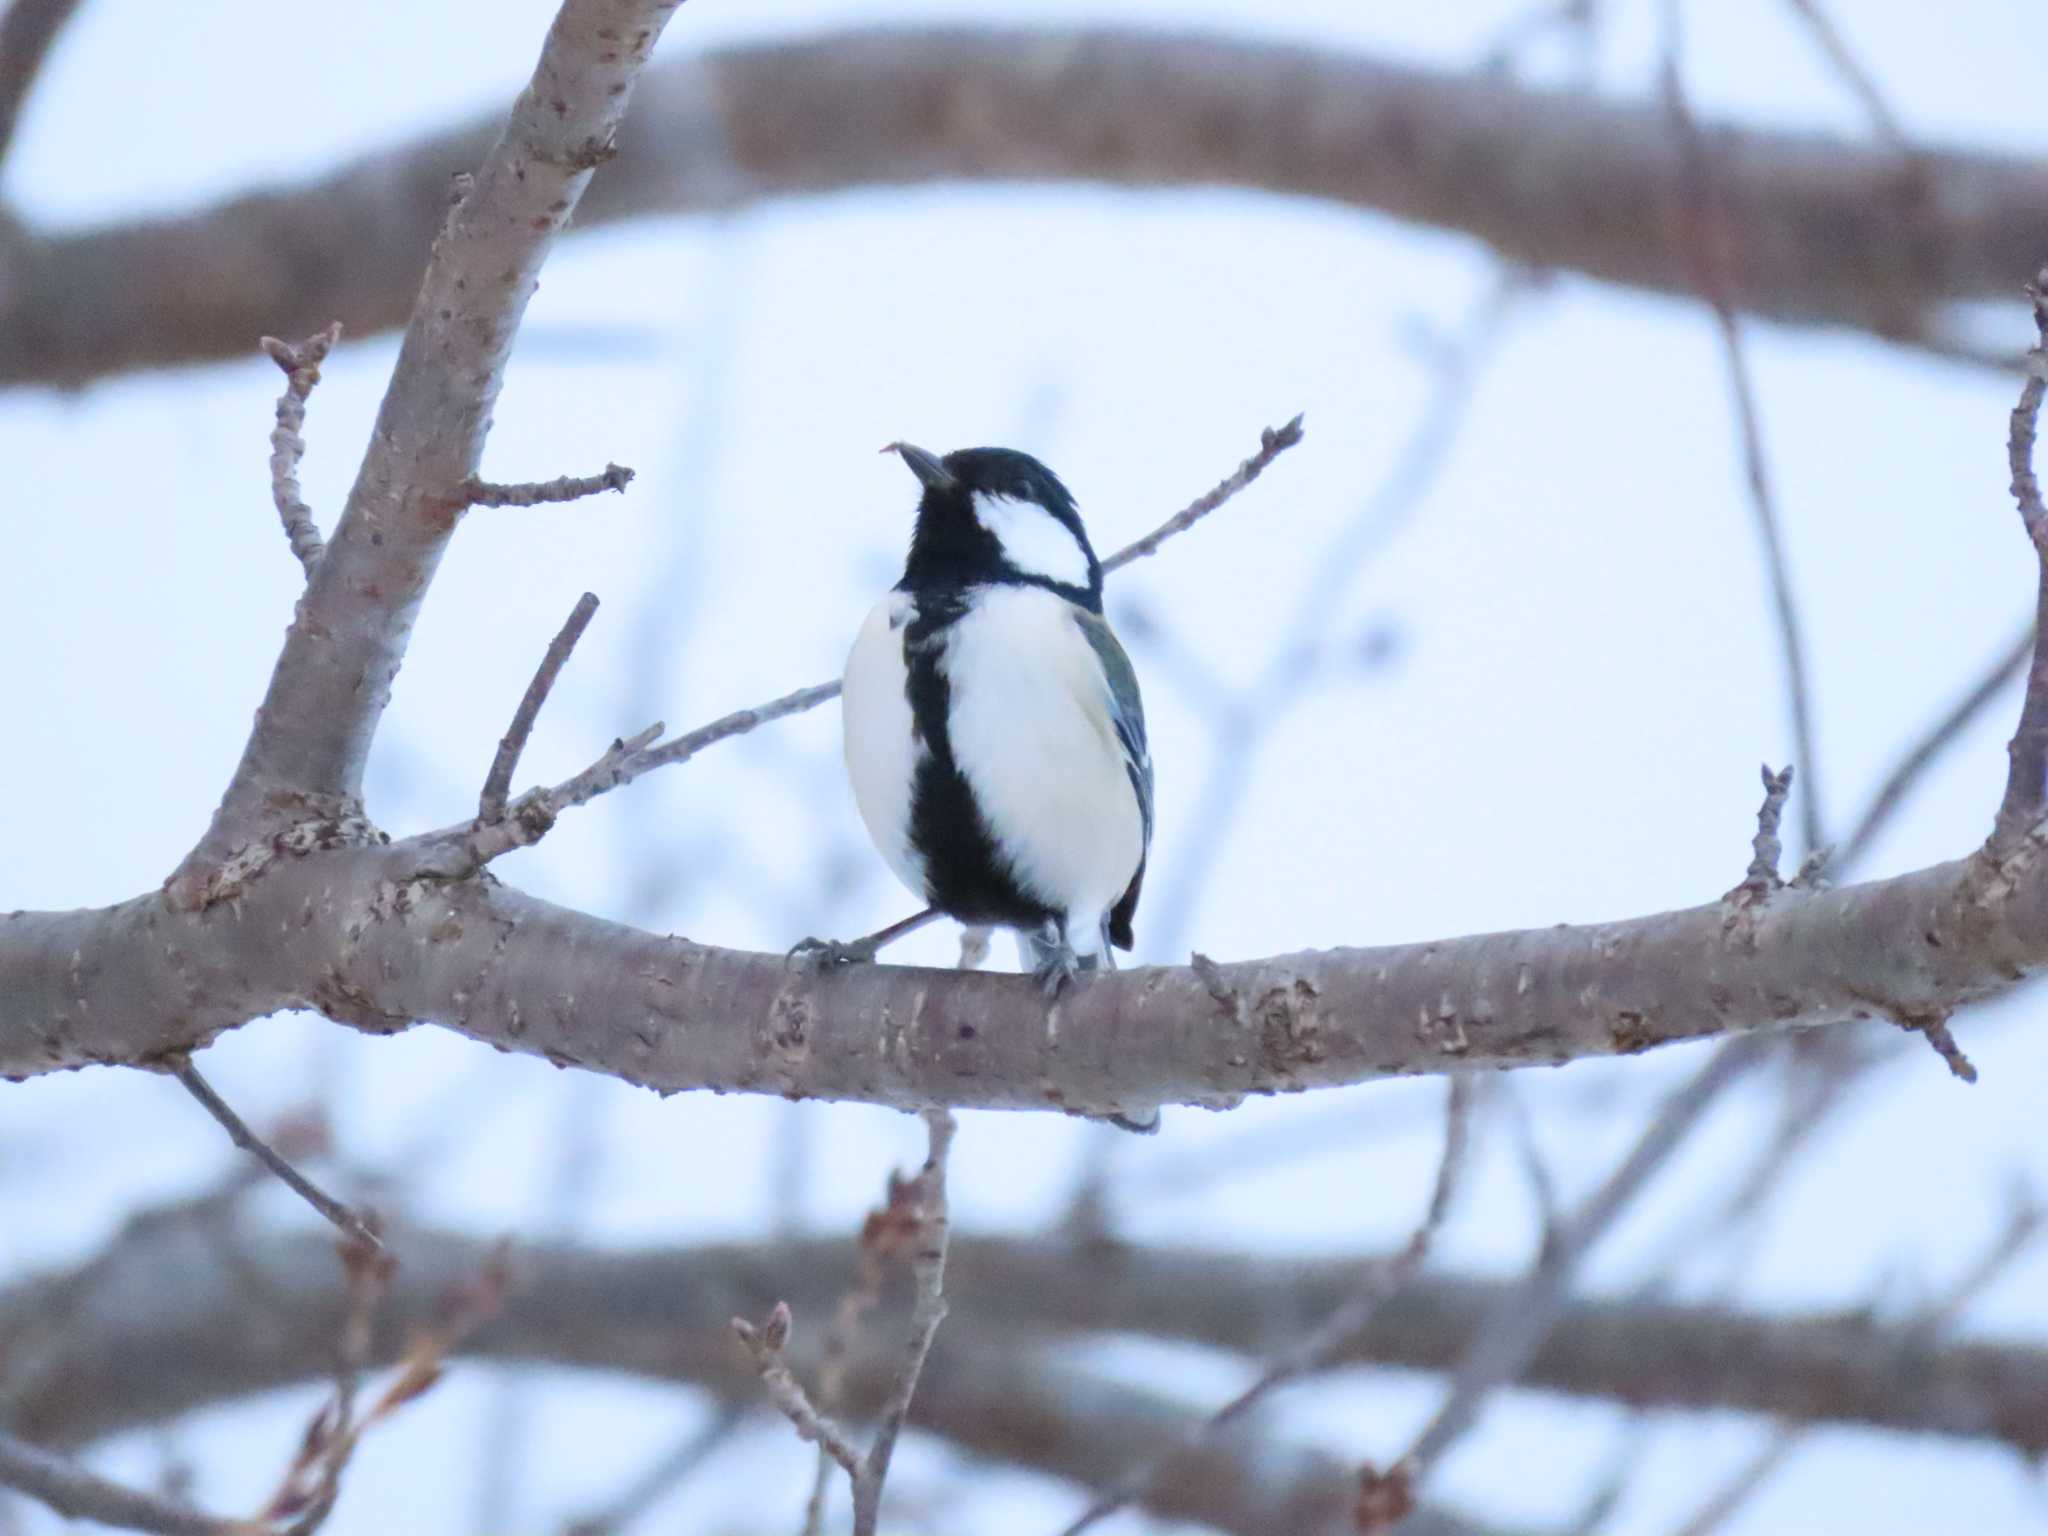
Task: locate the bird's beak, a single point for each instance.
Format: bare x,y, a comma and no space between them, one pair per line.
931,473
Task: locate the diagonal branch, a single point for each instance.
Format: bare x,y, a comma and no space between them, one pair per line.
28,31
498,782
78,1494
2026,785
334,675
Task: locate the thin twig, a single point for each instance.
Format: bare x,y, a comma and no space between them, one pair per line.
352,1224
1936,740
929,1238
1762,876
457,851
78,1494
663,1477
1381,1279
2026,781
498,783
1273,442
475,492
1853,74
301,365
27,31
766,1343
1732,1495
1516,1326
1705,234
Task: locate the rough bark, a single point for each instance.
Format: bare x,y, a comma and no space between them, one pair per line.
184,1312
345,931
1820,230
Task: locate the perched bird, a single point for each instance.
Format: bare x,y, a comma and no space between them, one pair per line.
993,729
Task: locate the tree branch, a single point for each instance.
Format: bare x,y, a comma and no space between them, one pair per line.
498,782
351,1225
343,650
301,365
177,1315
78,1494
2026,785
1825,231
28,31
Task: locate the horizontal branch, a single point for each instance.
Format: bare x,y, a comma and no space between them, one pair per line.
175,1316
361,934
1821,230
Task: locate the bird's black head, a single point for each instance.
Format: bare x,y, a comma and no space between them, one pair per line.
996,515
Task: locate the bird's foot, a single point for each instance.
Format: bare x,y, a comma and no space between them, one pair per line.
1140,1123
1057,965
824,954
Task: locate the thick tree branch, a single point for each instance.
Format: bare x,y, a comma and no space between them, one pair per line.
334,676
177,1315
1822,230
361,934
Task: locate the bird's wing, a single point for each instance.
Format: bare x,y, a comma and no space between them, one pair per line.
1127,714
1126,707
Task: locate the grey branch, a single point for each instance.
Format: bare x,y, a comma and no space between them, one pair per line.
1548,179
178,1314
1319,1346
487,493
78,1494
334,675
1936,739
1703,229
28,31
2026,785
498,782
351,1224
301,365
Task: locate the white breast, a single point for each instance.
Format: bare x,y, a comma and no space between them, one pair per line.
1032,732
882,749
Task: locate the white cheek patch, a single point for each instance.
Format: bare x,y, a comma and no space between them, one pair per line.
1033,540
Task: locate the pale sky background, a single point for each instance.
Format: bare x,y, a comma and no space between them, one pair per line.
1579,679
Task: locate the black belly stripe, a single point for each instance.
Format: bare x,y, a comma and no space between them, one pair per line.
964,875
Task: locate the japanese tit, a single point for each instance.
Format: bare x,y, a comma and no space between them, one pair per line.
994,733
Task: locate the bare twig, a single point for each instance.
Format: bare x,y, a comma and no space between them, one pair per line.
766,1344
1703,225
1380,1280
353,1225
928,1237
475,492
663,1477
498,783
1762,877
1515,1328
1273,442
2026,782
27,31
1732,1495
1936,740
301,365
1852,73
81,1495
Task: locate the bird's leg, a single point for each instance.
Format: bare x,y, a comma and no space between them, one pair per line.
819,953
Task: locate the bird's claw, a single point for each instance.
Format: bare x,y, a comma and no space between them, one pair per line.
823,954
